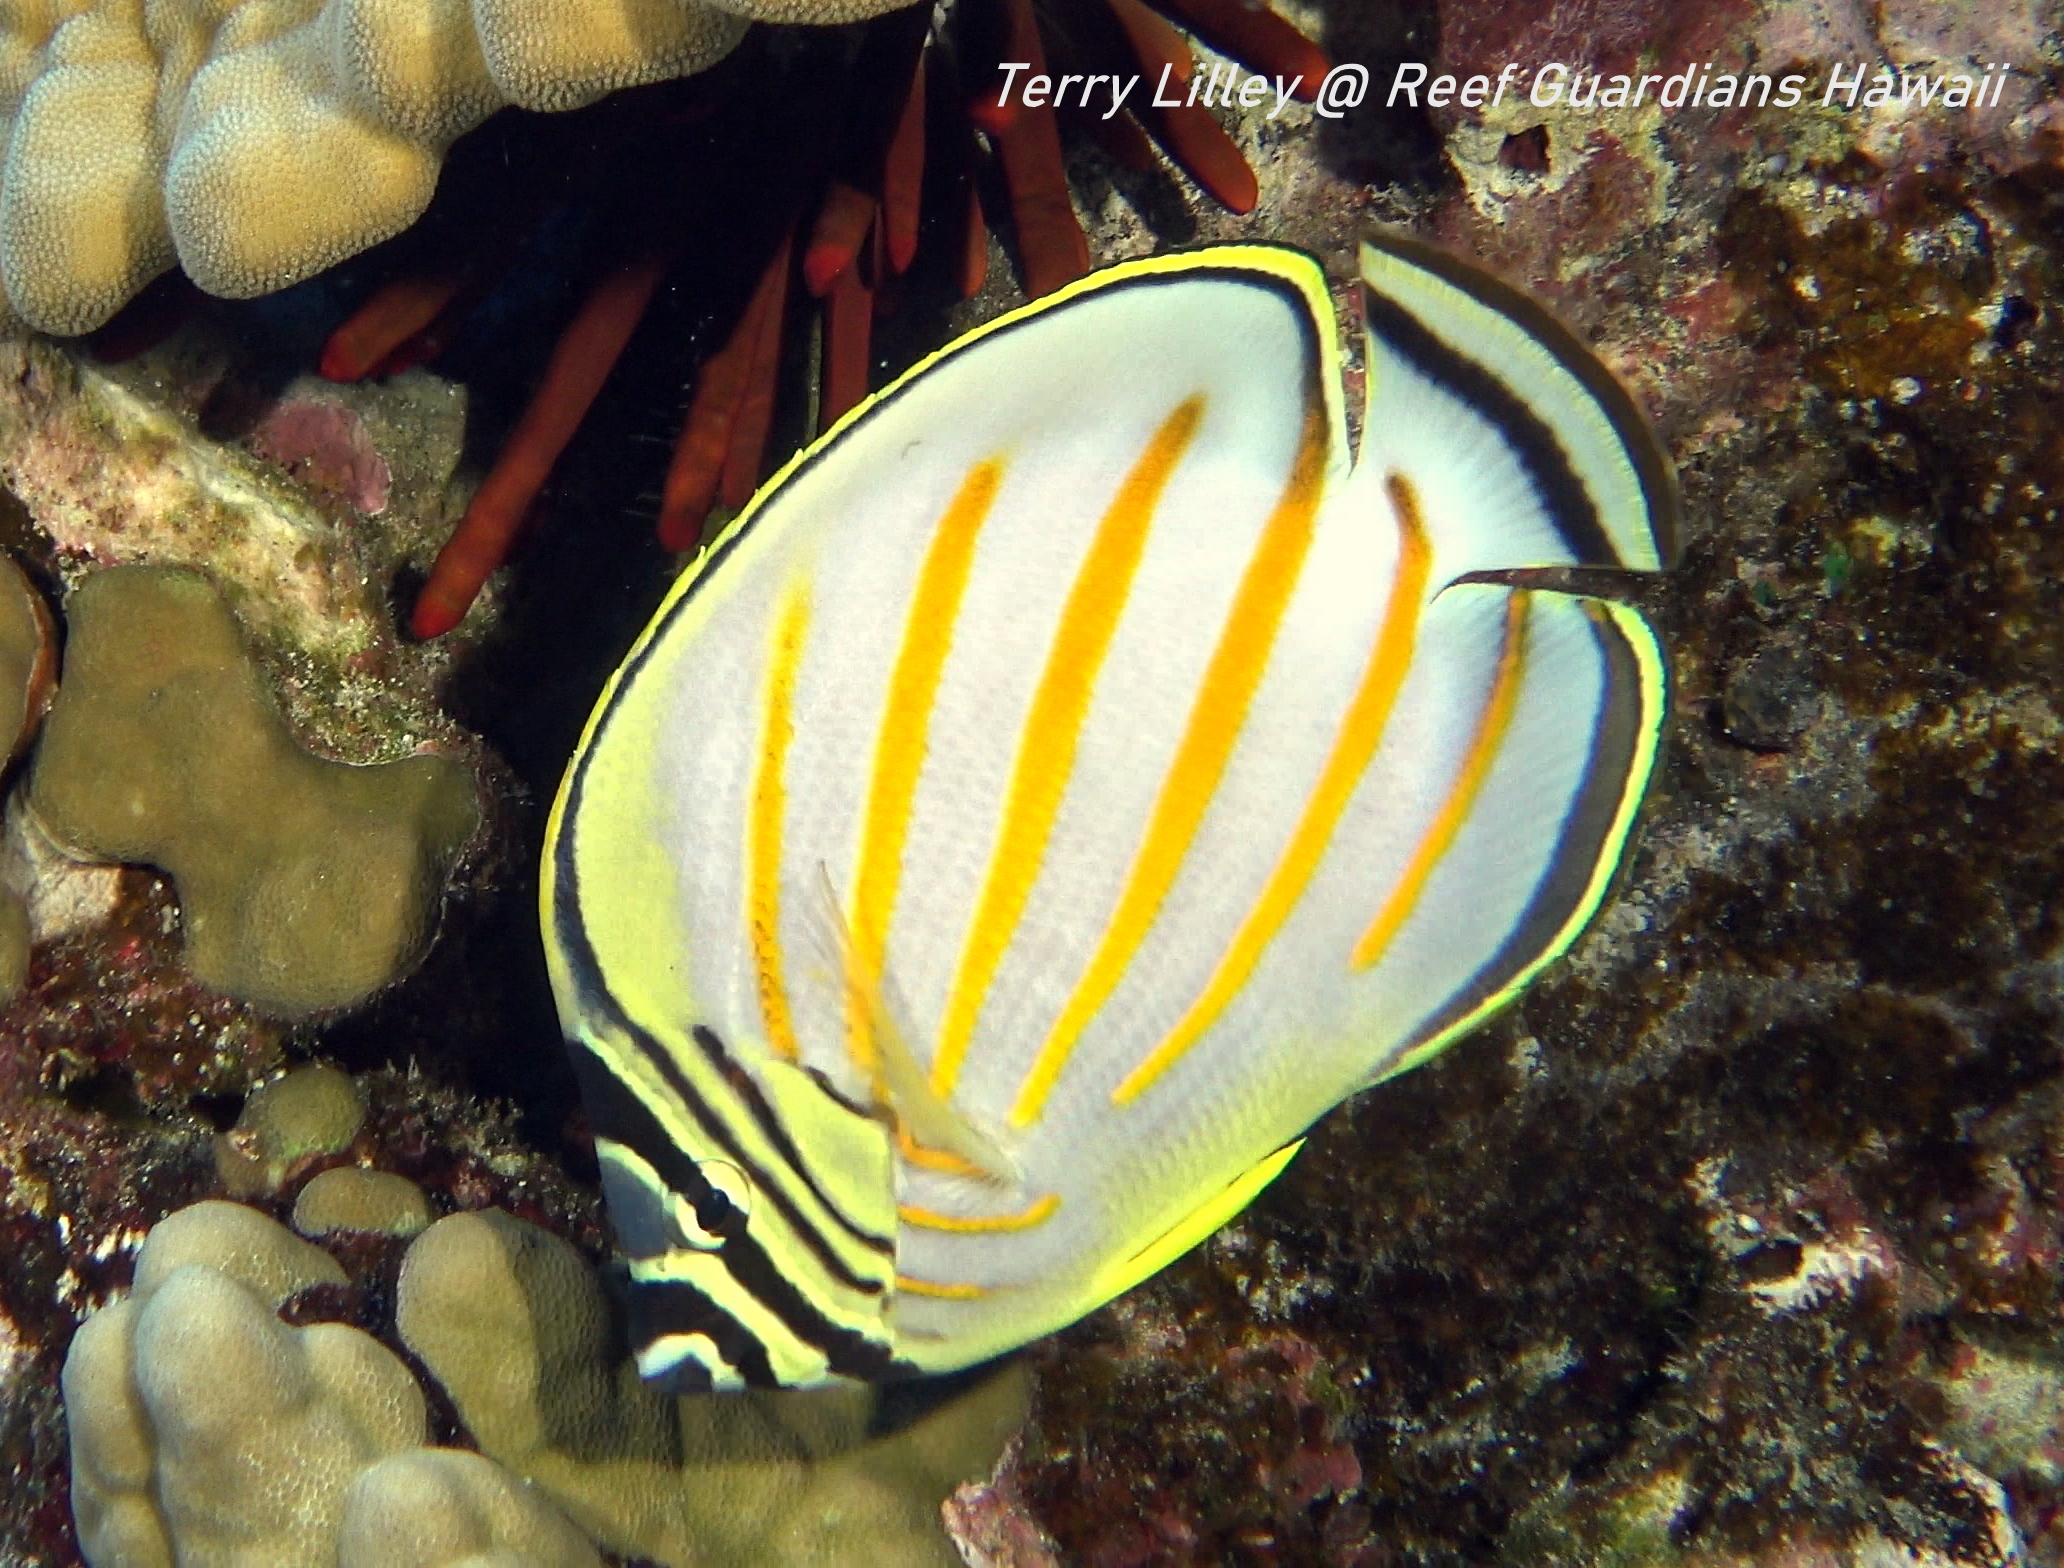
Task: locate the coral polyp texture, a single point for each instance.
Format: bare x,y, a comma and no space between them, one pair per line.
353,1199
448,1508
204,1428
518,1331
304,884
256,142
300,1115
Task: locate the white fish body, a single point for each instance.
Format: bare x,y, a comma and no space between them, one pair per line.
1070,778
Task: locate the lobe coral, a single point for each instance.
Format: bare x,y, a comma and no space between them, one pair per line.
256,142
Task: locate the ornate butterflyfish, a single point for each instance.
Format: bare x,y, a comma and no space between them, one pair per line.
1074,774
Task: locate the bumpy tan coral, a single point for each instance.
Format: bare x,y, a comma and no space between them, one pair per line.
257,142
201,1424
204,1429
352,1198
303,884
516,1328
447,1508
258,1253
306,1111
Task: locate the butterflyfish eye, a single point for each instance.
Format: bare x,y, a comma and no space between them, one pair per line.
724,1208
1076,773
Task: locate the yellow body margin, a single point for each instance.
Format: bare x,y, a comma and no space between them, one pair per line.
1655,690
1120,1275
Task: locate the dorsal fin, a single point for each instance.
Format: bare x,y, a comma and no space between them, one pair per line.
1522,449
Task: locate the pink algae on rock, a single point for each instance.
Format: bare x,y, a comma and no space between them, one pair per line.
1483,36
327,447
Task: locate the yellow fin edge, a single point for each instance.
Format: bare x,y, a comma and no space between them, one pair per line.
1117,1278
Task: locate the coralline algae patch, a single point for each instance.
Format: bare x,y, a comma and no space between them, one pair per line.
324,444
112,466
1572,198
1483,36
